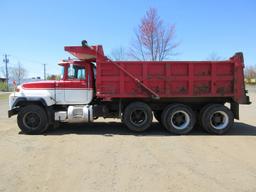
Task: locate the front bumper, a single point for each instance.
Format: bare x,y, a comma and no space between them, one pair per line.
11,113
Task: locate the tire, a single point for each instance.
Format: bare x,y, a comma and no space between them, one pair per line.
217,119
200,114
137,116
54,126
157,115
32,119
178,119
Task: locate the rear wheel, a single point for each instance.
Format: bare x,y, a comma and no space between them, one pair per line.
178,118
32,119
137,116
217,119
199,116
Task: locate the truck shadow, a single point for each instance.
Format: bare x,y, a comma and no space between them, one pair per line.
115,128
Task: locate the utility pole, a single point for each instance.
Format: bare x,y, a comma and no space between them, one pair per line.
44,71
6,61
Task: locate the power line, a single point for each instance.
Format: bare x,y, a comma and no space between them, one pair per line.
44,71
6,61
26,59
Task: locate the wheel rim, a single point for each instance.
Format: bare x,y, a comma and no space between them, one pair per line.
31,120
138,117
180,120
219,120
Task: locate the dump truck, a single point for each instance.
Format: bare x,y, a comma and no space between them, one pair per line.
179,94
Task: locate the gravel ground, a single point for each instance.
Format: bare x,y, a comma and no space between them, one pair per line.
105,156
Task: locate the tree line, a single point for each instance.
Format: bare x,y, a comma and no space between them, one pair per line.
17,73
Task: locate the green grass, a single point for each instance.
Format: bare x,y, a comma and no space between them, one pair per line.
4,96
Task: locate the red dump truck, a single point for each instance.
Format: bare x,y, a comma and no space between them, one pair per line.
178,93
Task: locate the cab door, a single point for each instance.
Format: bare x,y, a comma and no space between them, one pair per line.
77,89
60,92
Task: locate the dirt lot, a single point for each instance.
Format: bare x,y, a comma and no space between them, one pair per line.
108,157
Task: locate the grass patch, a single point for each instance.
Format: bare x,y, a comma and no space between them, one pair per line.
4,96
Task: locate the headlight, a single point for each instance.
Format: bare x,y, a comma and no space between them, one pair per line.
17,89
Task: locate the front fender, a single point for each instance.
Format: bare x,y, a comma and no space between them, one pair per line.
16,102
22,100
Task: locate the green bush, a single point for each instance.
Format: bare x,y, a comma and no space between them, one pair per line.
251,81
3,86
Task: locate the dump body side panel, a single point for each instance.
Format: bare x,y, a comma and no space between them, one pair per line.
169,79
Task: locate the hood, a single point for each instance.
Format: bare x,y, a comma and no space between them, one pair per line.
39,85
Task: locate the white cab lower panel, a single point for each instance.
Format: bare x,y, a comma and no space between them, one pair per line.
78,96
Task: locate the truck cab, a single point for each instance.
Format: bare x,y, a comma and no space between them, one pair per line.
64,100
76,86
77,83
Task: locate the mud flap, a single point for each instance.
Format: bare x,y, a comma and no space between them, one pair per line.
235,109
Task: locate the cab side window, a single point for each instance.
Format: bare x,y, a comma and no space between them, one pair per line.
76,72
81,74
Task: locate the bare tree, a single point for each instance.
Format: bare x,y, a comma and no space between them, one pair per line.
250,72
153,40
18,73
119,54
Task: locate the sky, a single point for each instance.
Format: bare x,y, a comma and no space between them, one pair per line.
34,32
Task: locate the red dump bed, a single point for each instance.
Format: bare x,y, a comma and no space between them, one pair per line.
166,79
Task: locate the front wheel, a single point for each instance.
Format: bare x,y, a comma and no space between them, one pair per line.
32,119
